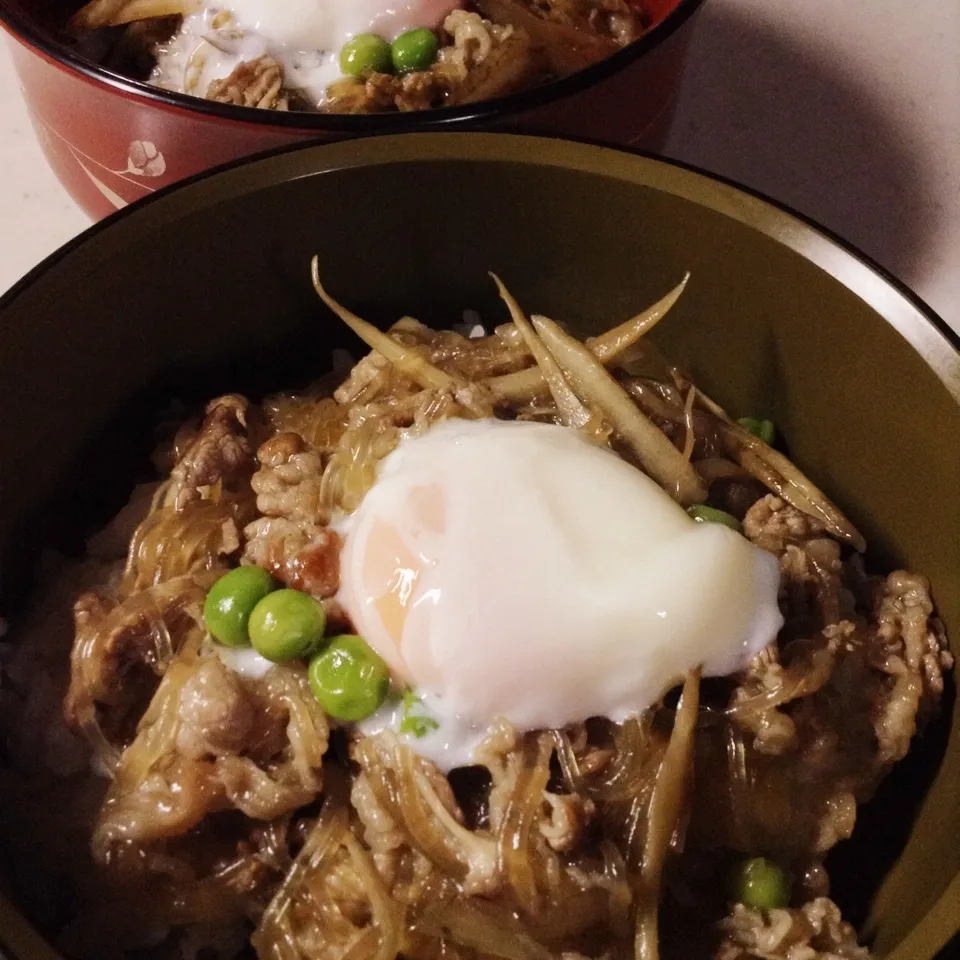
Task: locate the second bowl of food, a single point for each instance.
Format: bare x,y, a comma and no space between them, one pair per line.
128,96
598,608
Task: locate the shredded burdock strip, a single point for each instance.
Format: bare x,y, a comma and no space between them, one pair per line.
607,348
574,413
408,362
672,783
655,453
782,476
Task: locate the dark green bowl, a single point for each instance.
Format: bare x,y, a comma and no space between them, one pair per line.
206,288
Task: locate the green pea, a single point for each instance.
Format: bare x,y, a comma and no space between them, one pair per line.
231,600
348,679
705,514
286,624
760,883
414,50
764,429
413,721
365,53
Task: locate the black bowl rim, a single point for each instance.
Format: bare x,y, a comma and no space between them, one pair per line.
925,320
31,36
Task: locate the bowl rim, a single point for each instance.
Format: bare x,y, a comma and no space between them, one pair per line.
937,344
925,330
39,41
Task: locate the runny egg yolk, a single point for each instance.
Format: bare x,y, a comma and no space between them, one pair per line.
515,570
396,570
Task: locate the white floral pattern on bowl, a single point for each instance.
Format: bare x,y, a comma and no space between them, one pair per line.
143,161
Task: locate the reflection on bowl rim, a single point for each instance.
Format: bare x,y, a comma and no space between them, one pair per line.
923,328
543,95
926,333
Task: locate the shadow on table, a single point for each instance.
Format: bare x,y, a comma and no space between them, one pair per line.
791,120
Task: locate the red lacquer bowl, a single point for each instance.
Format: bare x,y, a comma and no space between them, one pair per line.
111,140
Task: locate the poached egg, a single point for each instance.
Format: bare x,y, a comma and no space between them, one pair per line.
327,24
304,36
516,570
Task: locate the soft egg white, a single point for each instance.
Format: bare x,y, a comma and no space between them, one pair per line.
244,661
304,36
516,570
327,24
